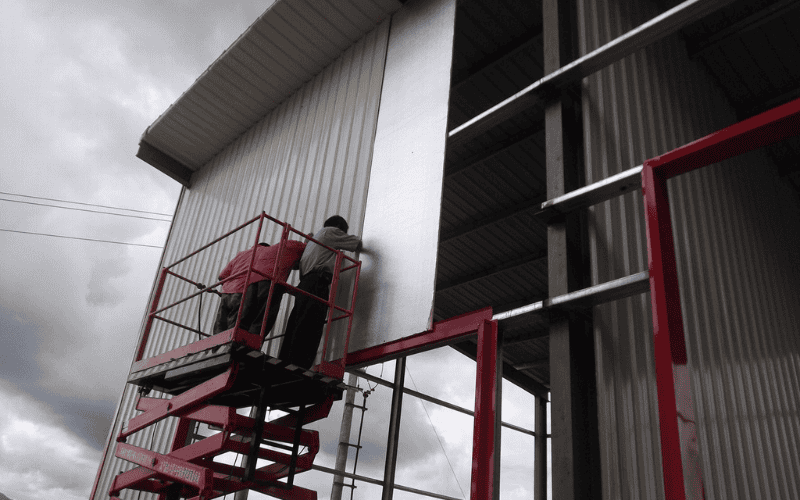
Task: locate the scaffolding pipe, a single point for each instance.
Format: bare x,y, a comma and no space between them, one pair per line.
344,437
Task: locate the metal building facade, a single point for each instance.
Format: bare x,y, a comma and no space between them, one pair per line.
738,276
307,159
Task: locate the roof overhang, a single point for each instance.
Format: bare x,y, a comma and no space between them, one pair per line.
283,49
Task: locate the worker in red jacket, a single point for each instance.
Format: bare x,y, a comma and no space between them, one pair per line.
255,301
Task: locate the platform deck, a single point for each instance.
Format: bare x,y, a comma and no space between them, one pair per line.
288,385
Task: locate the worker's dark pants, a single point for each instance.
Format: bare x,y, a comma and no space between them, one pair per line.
255,303
307,321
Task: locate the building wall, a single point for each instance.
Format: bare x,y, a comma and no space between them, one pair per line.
737,270
306,160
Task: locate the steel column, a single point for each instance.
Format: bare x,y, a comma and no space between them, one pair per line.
394,429
540,451
575,443
488,403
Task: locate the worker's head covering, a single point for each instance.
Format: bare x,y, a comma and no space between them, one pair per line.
337,221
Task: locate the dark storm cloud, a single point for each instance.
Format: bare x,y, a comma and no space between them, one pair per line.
82,81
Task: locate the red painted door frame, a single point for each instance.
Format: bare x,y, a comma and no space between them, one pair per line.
681,466
478,324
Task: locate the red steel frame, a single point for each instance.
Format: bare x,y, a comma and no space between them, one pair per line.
476,324
681,466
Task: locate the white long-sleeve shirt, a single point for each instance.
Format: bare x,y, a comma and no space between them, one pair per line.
317,258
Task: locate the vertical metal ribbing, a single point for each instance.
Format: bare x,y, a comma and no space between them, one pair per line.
394,429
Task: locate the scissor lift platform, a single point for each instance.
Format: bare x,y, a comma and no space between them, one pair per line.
288,385
209,379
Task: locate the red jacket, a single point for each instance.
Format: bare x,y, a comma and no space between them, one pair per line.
264,262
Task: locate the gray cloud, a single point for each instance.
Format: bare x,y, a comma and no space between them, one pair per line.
82,82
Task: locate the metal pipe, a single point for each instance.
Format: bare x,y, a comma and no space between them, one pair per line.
535,95
344,437
540,451
379,482
439,402
394,429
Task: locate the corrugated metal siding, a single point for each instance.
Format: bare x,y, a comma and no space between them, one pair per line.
740,289
308,159
746,403
282,50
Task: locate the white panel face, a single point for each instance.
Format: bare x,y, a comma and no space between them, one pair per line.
401,225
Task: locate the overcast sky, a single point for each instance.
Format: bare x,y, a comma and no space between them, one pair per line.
81,81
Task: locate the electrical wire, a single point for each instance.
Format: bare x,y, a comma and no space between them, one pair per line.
437,434
82,239
84,210
86,204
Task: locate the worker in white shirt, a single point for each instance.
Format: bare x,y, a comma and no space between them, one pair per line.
307,319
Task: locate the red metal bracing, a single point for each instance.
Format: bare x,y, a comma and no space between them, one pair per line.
475,325
681,465
210,378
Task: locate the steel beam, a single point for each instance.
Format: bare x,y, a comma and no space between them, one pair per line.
584,298
575,441
522,380
394,430
592,194
540,451
560,77
436,401
488,403
371,480
443,333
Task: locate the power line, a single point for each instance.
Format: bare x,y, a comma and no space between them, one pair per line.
82,239
84,210
87,204
437,435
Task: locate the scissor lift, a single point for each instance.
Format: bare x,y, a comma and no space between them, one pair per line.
208,380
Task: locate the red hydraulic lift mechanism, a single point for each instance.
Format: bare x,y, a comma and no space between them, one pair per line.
681,467
191,471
